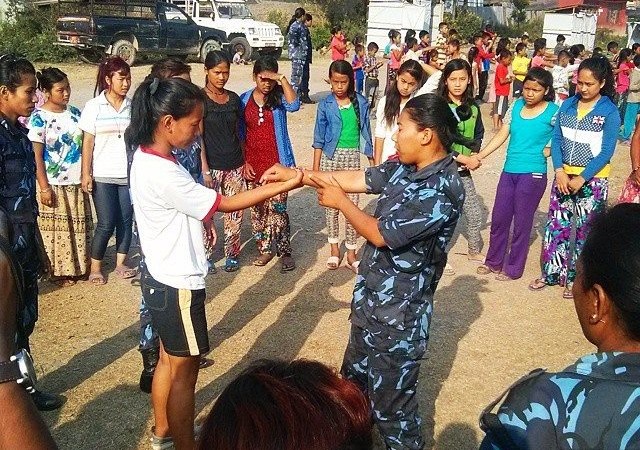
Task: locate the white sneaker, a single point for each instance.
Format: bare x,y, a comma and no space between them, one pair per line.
162,443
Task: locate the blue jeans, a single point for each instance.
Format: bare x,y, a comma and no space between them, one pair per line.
629,123
359,75
114,211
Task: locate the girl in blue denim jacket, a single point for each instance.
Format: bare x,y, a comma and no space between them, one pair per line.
342,131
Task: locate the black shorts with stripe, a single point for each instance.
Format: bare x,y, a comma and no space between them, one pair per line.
178,316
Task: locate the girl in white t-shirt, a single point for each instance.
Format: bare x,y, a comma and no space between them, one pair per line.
104,165
170,209
408,80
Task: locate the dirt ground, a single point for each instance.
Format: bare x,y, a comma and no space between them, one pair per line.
485,333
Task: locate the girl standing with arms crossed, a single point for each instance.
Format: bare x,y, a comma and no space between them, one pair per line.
408,80
527,125
395,56
104,165
223,156
584,138
456,88
65,210
420,199
342,131
170,208
265,135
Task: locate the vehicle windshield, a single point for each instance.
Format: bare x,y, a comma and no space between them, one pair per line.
234,10
205,10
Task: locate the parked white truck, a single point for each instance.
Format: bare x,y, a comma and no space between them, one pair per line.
234,18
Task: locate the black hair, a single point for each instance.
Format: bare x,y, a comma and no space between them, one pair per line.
503,44
358,48
411,42
442,24
455,43
410,34
49,76
564,53
372,47
561,38
636,61
596,50
335,29
635,46
12,69
169,68
308,17
433,112
538,45
473,53
520,46
504,53
611,258
476,37
216,57
582,47
298,14
543,78
154,99
393,34
601,71
464,110
392,101
452,32
575,50
624,54
269,63
343,67
423,33
612,45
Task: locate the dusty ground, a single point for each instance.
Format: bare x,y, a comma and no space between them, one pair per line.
485,333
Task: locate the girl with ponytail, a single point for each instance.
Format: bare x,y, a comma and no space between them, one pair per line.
420,200
456,87
342,131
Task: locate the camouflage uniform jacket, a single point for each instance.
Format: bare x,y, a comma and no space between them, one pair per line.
593,404
417,213
17,174
298,33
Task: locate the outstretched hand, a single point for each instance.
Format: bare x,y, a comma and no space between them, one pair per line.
277,172
331,194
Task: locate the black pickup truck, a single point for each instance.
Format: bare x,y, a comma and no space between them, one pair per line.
128,28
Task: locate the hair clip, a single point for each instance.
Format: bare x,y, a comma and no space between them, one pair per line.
153,87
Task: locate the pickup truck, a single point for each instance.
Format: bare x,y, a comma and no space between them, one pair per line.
130,28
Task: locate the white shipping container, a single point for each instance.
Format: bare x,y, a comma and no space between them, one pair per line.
578,28
385,15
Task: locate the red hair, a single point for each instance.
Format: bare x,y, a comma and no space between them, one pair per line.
109,67
275,405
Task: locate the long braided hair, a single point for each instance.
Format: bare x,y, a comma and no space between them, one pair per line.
342,67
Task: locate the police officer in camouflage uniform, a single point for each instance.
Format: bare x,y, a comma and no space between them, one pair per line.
297,35
18,195
594,403
421,197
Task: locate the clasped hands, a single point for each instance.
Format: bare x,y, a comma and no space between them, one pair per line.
330,192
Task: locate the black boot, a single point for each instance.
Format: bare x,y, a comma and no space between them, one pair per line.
46,401
150,361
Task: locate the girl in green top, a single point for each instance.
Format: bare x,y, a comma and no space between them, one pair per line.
342,131
456,86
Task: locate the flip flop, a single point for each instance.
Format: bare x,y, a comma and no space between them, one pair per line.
485,270
231,265
125,272
287,264
263,259
476,257
333,262
537,285
64,282
97,279
353,266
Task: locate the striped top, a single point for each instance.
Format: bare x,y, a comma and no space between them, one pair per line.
101,119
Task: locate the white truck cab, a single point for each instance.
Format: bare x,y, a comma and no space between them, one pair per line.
234,18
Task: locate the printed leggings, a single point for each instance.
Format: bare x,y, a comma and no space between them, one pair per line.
558,258
228,183
343,159
472,211
270,224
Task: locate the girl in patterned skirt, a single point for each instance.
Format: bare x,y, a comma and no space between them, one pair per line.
342,131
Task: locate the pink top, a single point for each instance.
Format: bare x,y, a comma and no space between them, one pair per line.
537,61
338,48
574,78
394,63
622,82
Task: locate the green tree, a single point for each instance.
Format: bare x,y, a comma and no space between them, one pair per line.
519,14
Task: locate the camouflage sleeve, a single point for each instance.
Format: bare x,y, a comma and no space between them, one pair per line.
377,177
415,219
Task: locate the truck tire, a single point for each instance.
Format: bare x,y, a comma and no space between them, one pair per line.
125,50
208,46
240,42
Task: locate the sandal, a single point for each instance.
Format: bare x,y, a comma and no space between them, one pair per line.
333,262
353,266
287,264
504,277
231,265
263,259
568,292
484,270
537,285
449,270
64,282
476,257
205,362
97,279
212,267
125,272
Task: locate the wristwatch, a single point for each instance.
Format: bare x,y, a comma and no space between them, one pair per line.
19,368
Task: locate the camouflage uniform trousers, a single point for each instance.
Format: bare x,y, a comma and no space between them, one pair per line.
25,247
386,367
270,224
297,69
